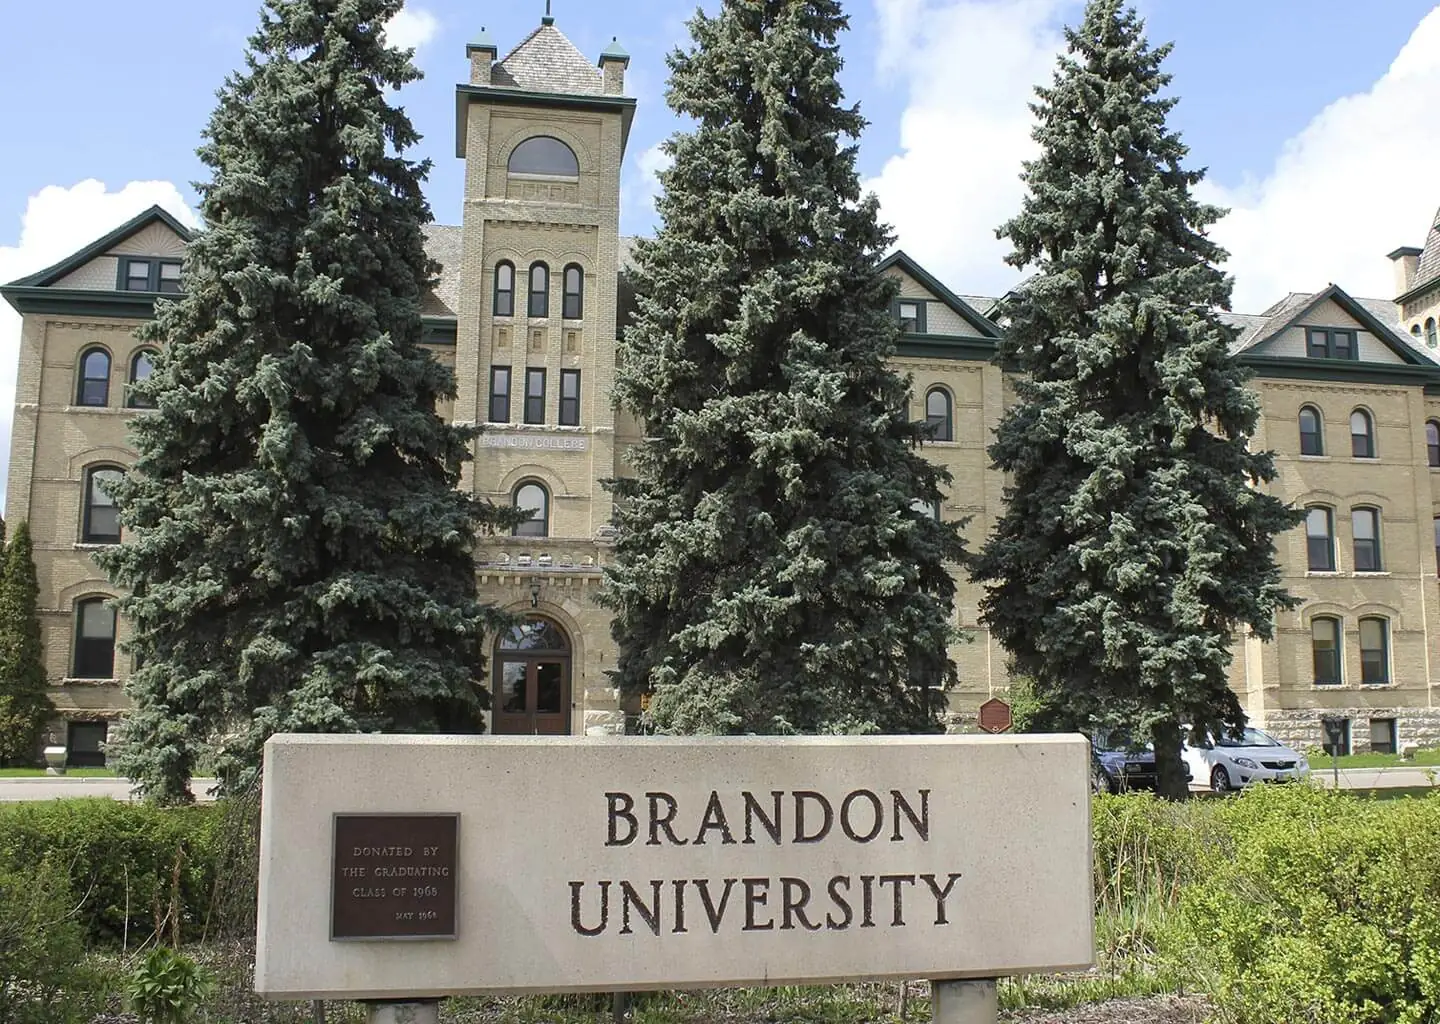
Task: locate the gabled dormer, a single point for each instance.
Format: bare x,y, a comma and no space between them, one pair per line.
1328,334
121,274
934,321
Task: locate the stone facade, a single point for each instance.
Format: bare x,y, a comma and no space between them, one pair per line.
535,209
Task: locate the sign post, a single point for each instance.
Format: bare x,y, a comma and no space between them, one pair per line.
1335,733
402,869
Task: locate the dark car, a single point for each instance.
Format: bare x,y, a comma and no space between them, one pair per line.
1126,765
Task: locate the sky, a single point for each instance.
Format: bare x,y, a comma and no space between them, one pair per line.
1317,120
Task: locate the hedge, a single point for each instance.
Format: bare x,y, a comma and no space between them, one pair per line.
133,869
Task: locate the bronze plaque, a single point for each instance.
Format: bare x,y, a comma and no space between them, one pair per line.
394,876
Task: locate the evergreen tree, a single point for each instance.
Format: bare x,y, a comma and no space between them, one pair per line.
300,559
1137,538
24,704
772,573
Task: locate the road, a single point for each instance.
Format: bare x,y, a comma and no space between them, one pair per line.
59,787
55,788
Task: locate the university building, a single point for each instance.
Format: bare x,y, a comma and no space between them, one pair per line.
532,291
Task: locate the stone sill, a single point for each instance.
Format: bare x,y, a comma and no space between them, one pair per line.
91,546
68,681
1317,458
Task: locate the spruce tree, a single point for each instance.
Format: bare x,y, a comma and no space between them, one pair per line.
24,704
772,572
299,557
1137,536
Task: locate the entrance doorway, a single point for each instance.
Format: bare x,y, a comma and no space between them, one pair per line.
532,680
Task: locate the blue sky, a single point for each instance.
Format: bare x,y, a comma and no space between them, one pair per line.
1316,117
94,92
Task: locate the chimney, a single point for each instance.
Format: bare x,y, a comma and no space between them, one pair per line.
482,53
1406,261
613,63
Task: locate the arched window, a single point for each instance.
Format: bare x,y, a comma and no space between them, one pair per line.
1432,443
1320,539
1430,338
1415,330
1374,651
504,288
533,495
142,365
1325,650
574,304
544,155
939,422
100,522
1312,437
539,289
94,378
1365,524
94,640
1362,435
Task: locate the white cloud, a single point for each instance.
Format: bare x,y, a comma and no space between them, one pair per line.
1357,182
57,222
644,184
969,68
412,27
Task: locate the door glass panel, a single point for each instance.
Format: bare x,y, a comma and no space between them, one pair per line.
535,635
512,687
549,677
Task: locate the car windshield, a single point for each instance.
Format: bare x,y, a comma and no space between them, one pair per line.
1246,738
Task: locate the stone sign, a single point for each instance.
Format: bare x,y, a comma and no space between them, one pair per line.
535,441
394,876
630,863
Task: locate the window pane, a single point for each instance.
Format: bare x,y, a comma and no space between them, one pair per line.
1319,346
505,277
539,290
569,398
544,155
1374,660
1432,442
170,278
1325,642
549,675
1310,439
535,635
94,378
533,497
504,290
143,366
1382,735
512,687
1365,523
137,276
1437,544
1344,345
1321,550
574,292
1361,441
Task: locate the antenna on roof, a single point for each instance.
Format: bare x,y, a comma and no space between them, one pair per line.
548,19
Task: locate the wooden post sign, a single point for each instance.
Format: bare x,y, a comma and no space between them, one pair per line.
397,868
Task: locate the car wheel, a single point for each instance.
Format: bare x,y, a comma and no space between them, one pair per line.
1220,780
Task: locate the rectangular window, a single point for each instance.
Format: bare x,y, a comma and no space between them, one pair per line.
1335,734
1325,645
1318,535
85,744
910,320
1374,652
1331,343
499,394
137,276
95,641
1366,525
149,275
534,396
569,398
1382,736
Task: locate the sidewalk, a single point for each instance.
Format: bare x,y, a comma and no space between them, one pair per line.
59,787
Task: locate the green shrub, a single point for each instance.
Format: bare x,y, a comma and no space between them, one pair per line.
42,948
1320,908
135,870
167,987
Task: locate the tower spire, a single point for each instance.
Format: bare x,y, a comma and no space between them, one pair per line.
549,19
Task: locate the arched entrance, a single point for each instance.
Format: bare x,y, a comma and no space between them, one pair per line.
532,680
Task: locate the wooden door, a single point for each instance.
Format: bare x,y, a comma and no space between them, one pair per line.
532,681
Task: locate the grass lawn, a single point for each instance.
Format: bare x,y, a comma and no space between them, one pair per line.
73,773
1423,759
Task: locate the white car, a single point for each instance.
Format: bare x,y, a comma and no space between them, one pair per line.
1234,760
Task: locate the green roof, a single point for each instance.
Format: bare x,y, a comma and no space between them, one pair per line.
50,275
